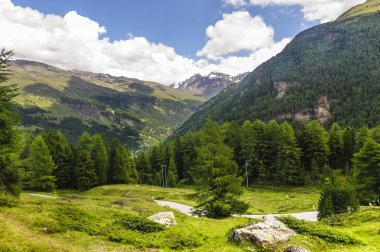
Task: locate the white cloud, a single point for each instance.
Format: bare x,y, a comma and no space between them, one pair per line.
313,10
77,42
236,32
234,65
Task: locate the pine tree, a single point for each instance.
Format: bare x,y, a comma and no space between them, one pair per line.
84,166
247,152
143,167
178,158
367,171
360,138
289,170
63,158
314,146
348,147
172,169
215,176
273,139
119,165
41,166
336,147
9,177
325,206
99,155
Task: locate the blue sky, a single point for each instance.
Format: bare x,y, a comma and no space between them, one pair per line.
177,23
159,40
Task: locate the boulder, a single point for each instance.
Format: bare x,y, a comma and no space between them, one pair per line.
296,249
164,218
267,232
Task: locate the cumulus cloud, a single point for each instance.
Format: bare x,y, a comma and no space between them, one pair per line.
77,42
313,10
236,32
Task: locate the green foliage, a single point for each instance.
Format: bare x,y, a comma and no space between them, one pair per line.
73,218
63,158
8,200
337,198
140,224
367,171
119,171
339,60
41,166
9,178
319,230
85,173
99,155
336,147
215,175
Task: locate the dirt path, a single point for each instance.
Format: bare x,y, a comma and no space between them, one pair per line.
42,196
308,216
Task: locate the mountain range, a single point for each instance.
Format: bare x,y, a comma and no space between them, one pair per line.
208,86
330,73
136,112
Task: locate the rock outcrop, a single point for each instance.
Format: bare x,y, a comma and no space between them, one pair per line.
296,249
323,110
267,232
164,218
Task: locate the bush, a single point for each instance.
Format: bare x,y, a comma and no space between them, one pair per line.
322,231
72,218
337,199
8,201
140,224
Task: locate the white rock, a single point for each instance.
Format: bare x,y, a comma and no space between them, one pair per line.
269,231
164,218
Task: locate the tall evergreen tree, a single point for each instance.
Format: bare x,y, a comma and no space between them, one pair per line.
367,171
336,147
289,170
63,158
84,166
314,144
118,171
99,155
348,147
215,175
144,169
360,138
178,158
9,177
41,166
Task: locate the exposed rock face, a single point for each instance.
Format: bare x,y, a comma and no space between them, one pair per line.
270,231
164,218
296,249
323,110
282,86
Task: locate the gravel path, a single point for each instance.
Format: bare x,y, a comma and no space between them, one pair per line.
42,196
308,216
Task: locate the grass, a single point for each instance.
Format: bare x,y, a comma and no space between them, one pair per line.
91,221
370,6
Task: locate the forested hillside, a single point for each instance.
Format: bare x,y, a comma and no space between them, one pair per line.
135,112
330,72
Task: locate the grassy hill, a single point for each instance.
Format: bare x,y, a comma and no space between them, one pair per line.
369,7
136,112
329,72
96,220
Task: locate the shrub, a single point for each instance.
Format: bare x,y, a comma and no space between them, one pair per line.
316,229
140,224
8,201
337,199
72,218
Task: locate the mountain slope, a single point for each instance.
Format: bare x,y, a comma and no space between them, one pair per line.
131,110
208,86
330,72
369,7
